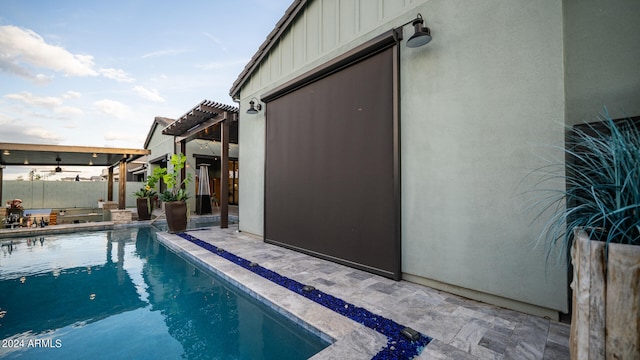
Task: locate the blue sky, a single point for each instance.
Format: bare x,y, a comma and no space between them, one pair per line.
96,73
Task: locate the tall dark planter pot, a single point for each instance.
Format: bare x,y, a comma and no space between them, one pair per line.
176,212
144,212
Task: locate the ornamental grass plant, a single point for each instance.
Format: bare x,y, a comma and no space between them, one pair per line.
602,193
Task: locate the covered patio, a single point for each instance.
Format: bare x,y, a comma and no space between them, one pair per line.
58,156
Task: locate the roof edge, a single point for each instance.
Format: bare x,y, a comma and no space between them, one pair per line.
281,26
157,121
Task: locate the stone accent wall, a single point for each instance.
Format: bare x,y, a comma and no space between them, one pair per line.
121,216
110,205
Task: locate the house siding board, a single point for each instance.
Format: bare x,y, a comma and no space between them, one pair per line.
286,52
347,20
298,52
312,19
330,24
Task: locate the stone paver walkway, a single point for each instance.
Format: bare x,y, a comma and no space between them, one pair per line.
460,328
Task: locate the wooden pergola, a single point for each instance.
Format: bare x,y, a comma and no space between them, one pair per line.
209,120
57,156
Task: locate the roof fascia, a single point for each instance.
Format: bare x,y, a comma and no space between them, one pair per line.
273,37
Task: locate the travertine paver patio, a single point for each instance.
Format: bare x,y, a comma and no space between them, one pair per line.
461,328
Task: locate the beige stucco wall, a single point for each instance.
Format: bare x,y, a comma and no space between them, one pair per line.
64,194
479,104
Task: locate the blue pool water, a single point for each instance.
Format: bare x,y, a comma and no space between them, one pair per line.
121,294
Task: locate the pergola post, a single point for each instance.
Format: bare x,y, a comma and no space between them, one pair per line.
122,185
183,172
110,184
1,180
224,172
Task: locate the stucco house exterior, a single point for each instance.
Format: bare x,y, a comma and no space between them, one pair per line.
409,162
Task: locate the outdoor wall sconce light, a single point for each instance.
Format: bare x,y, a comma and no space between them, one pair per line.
421,35
253,107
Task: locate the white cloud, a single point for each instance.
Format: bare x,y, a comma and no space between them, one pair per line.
167,52
15,130
67,111
42,134
125,137
113,108
71,95
117,75
21,49
42,79
48,102
149,94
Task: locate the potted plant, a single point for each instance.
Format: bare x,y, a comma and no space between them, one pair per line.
146,195
597,218
174,198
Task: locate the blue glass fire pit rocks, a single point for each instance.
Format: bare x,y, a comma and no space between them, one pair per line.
399,338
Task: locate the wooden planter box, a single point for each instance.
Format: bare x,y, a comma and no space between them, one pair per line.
605,322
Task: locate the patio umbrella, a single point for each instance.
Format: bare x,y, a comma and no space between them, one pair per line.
203,201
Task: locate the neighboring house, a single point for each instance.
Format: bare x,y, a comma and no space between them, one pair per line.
409,162
201,138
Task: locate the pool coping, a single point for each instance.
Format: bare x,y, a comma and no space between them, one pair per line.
348,338
101,226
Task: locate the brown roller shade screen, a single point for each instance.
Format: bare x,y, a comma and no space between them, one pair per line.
329,183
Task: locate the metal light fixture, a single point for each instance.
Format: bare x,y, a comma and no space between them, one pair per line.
94,155
6,152
421,36
253,107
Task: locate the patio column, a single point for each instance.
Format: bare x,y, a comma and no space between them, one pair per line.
122,185
224,172
1,179
110,184
183,171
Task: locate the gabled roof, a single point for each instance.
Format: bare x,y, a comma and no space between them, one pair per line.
273,37
158,122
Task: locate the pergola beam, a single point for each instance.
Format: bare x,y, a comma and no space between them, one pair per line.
205,126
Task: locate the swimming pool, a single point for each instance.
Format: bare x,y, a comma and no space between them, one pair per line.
121,294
